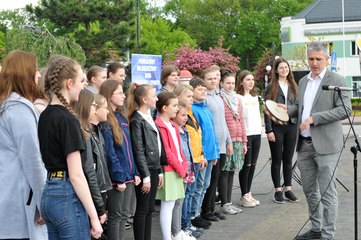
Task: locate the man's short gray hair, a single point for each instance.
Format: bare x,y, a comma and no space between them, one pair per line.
318,47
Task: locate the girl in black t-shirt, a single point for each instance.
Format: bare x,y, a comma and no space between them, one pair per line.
66,201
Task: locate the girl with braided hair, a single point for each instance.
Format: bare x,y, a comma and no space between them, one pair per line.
66,201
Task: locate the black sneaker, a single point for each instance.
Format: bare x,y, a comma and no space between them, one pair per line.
210,217
198,222
205,221
278,198
310,234
290,196
219,215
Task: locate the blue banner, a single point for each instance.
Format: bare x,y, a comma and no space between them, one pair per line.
146,69
333,62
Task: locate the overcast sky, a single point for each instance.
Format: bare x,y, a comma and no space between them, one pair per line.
13,4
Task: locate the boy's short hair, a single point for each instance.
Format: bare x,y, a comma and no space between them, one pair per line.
196,81
181,88
209,70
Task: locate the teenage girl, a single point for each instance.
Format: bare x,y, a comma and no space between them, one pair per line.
177,168
116,71
85,110
61,143
237,129
148,153
169,78
282,138
98,144
96,76
252,117
22,172
118,148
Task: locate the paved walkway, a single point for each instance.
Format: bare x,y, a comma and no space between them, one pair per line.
280,221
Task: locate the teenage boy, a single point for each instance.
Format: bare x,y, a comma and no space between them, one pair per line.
216,107
209,145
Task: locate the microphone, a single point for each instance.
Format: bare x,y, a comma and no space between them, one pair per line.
336,88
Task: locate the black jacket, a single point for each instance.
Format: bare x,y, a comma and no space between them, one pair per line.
100,159
291,101
145,146
89,172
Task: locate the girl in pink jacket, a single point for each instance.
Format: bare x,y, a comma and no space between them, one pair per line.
177,167
237,130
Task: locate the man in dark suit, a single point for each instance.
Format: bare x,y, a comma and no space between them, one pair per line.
320,141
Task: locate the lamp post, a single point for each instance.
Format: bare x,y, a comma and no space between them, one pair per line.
268,68
138,26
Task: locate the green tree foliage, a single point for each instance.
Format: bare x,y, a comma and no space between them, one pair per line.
102,27
157,37
248,26
42,44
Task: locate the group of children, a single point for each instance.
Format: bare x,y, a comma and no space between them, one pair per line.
213,126
101,147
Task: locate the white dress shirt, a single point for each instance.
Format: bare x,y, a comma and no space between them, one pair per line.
309,97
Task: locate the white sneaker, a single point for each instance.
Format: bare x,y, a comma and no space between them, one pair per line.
226,208
254,200
247,202
235,208
186,235
179,236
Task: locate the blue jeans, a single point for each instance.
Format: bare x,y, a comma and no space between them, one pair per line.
202,183
188,199
64,214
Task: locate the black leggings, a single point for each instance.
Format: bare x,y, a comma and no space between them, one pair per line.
250,161
225,183
142,224
208,204
282,152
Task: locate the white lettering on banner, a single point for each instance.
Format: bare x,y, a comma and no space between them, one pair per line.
146,68
146,61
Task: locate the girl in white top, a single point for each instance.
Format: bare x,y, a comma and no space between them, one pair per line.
252,117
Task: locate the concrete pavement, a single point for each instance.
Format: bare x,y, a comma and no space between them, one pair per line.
280,221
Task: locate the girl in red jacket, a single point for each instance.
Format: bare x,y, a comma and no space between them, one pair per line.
177,167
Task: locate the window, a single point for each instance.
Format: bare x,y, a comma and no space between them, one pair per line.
356,84
354,49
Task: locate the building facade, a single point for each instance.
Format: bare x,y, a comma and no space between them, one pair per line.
335,22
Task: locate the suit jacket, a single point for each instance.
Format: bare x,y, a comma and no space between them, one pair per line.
327,112
281,98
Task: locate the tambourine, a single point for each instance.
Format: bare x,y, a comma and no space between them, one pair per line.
277,114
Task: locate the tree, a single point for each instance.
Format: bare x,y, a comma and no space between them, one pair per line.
248,26
42,44
102,27
157,37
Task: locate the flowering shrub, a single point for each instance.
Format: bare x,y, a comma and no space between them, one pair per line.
196,60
